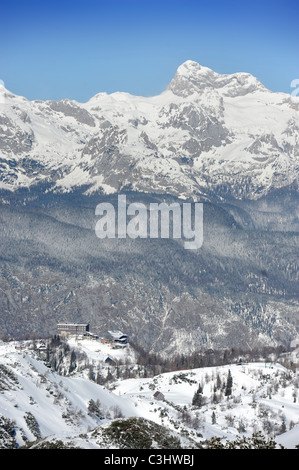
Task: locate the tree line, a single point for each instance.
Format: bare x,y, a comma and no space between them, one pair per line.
156,364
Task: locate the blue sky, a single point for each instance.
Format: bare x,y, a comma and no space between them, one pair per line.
75,49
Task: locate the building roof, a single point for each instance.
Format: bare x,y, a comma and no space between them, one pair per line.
116,334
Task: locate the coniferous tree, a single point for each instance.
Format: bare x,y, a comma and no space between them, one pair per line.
218,382
73,362
197,397
229,384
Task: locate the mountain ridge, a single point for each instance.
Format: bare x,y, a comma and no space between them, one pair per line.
207,132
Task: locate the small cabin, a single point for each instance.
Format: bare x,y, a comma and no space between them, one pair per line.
159,396
110,361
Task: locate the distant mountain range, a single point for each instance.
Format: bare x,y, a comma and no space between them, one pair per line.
207,134
224,140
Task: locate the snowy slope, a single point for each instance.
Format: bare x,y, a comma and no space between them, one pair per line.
207,133
262,400
58,403
251,406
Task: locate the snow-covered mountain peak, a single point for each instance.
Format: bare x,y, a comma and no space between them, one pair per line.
192,78
4,94
190,67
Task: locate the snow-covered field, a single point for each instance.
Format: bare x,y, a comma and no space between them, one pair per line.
44,404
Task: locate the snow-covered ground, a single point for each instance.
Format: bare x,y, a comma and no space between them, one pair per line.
98,351
253,406
264,398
